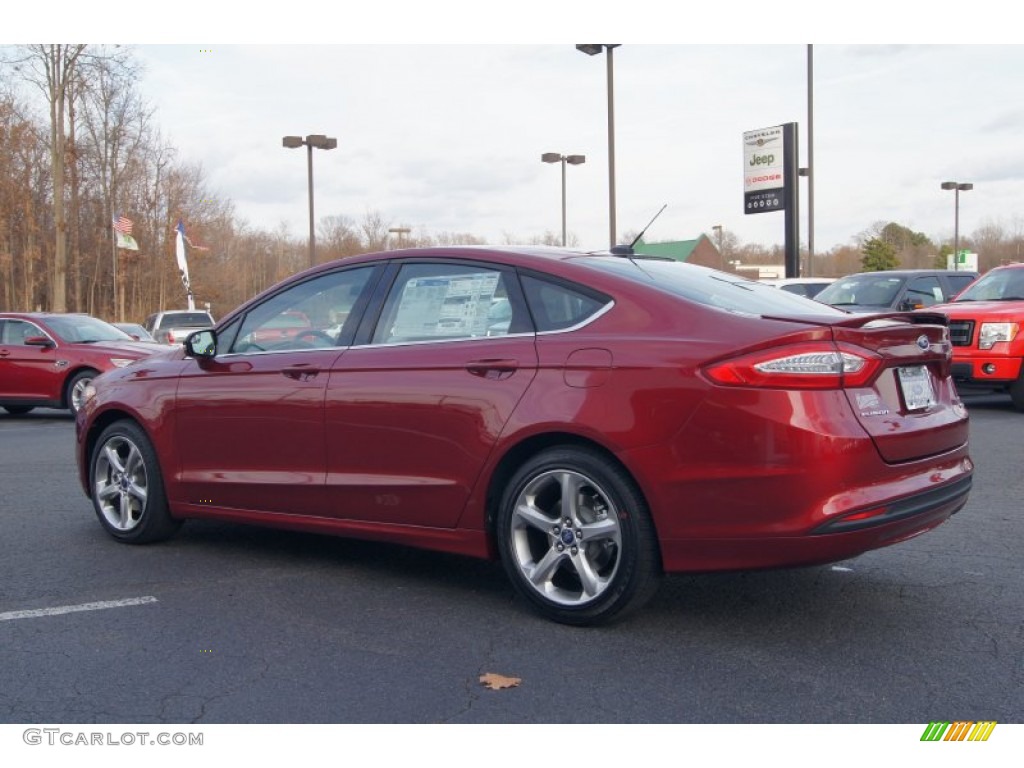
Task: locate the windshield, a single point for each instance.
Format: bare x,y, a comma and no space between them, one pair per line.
713,288
876,289
997,285
83,329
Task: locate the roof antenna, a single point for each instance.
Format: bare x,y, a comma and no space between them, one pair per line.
627,250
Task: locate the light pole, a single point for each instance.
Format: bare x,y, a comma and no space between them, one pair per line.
319,141
555,157
399,231
957,188
592,49
717,229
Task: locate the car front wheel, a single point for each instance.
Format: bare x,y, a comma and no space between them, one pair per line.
1017,392
127,487
576,537
75,395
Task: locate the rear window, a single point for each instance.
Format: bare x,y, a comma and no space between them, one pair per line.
186,320
713,288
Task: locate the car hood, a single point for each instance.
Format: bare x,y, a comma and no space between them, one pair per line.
126,347
991,310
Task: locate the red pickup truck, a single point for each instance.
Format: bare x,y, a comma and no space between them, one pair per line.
986,328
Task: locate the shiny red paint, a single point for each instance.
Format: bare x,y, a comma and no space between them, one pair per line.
413,442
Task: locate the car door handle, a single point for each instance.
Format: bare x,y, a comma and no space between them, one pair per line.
495,368
4,353
303,372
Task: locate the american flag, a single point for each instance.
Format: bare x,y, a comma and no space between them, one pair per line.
123,224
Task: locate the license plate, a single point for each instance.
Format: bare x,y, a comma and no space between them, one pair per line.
917,387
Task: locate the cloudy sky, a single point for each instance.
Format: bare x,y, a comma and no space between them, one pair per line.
447,136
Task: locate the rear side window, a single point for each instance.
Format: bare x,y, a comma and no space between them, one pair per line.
556,306
958,282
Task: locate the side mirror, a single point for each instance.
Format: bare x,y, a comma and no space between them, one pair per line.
201,344
39,341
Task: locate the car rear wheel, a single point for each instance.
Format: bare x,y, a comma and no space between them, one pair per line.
576,537
127,487
18,410
75,389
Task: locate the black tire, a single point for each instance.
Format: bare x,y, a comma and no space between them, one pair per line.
605,564
1017,392
127,486
18,410
75,387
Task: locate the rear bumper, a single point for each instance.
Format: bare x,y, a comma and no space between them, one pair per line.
837,540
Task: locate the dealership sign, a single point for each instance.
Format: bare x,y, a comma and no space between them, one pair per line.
764,170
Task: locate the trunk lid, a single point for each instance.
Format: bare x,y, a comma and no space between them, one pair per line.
910,408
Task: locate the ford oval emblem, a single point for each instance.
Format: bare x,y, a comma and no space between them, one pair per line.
922,342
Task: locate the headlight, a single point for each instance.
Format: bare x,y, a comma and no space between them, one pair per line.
121,362
993,332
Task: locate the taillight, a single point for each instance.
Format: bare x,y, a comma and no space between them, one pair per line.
798,366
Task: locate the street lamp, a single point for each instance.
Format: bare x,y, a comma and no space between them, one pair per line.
957,188
555,157
319,141
592,49
399,231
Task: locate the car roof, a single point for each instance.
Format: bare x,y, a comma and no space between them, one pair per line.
796,280
913,272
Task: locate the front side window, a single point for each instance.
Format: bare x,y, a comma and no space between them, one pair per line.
924,292
16,331
445,302
310,315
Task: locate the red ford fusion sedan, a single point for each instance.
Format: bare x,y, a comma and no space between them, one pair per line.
593,420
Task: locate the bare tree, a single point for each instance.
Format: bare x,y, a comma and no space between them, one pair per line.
52,69
116,124
375,231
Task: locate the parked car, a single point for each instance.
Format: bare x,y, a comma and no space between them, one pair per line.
135,330
172,326
633,416
801,286
985,328
897,290
47,359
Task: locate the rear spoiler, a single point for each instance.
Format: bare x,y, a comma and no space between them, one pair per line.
864,320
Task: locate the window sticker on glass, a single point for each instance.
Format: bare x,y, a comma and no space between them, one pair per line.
445,307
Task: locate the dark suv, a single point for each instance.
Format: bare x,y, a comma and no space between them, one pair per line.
172,326
896,290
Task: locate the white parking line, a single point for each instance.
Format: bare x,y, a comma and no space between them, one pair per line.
10,615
